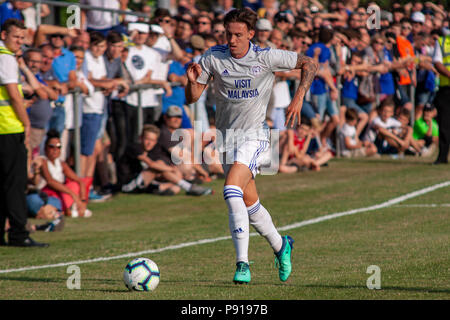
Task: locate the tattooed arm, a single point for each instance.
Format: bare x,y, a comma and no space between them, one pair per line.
309,69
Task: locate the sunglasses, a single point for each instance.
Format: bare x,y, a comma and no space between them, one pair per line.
54,146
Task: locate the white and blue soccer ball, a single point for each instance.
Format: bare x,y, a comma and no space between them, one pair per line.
141,274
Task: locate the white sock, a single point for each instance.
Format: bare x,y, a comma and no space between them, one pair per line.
138,182
238,220
261,220
183,184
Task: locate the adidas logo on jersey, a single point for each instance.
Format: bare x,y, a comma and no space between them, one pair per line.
225,73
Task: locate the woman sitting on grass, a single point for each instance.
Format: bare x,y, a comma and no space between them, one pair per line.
62,181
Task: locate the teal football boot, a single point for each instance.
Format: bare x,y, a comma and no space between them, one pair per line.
242,274
283,258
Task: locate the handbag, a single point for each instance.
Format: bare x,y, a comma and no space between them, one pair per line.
366,91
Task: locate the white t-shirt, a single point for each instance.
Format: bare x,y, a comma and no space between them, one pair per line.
437,54
68,103
390,124
347,131
95,103
101,19
281,95
56,170
9,68
163,48
139,63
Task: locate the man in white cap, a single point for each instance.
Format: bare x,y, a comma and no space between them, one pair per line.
417,21
263,29
161,39
141,66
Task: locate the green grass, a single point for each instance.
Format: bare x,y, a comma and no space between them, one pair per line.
330,258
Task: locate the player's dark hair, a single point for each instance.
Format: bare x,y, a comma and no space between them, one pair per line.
405,112
96,38
245,15
27,53
113,37
9,23
150,128
325,35
306,121
388,102
76,48
52,133
161,13
351,114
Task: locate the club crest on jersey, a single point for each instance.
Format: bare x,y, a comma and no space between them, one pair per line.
225,73
255,70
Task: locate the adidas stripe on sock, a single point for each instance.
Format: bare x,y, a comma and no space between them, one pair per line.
261,220
238,220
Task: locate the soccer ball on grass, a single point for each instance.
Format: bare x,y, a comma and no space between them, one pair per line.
141,274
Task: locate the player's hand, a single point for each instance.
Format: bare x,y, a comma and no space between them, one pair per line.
194,71
292,112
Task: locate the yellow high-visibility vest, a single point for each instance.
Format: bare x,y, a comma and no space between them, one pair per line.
444,42
9,123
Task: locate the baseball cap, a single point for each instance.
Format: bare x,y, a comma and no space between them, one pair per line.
264,25
140,27
428,107
154,28
283,16
314,9
386,15
197,42
418,17
174,111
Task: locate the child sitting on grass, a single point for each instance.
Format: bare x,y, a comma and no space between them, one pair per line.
389,135
302,150
351,146
426,131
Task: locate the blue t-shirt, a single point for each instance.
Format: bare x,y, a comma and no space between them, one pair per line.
178,97
40,111
319,86
63,64
387,85
7,11
350,88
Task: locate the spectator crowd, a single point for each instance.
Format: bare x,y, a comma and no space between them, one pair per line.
373,93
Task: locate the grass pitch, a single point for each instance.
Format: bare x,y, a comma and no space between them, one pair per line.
408,241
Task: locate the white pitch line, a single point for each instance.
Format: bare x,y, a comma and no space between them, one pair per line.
431,205
212,240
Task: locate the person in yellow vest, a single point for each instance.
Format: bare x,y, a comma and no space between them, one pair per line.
441,60
14,133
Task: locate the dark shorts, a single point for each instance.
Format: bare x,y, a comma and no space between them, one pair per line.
401,96
92,123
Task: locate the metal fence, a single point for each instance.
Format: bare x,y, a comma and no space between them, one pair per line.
76,92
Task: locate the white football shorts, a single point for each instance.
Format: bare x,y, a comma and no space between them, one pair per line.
252,153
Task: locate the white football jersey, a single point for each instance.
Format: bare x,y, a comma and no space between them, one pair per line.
243,86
